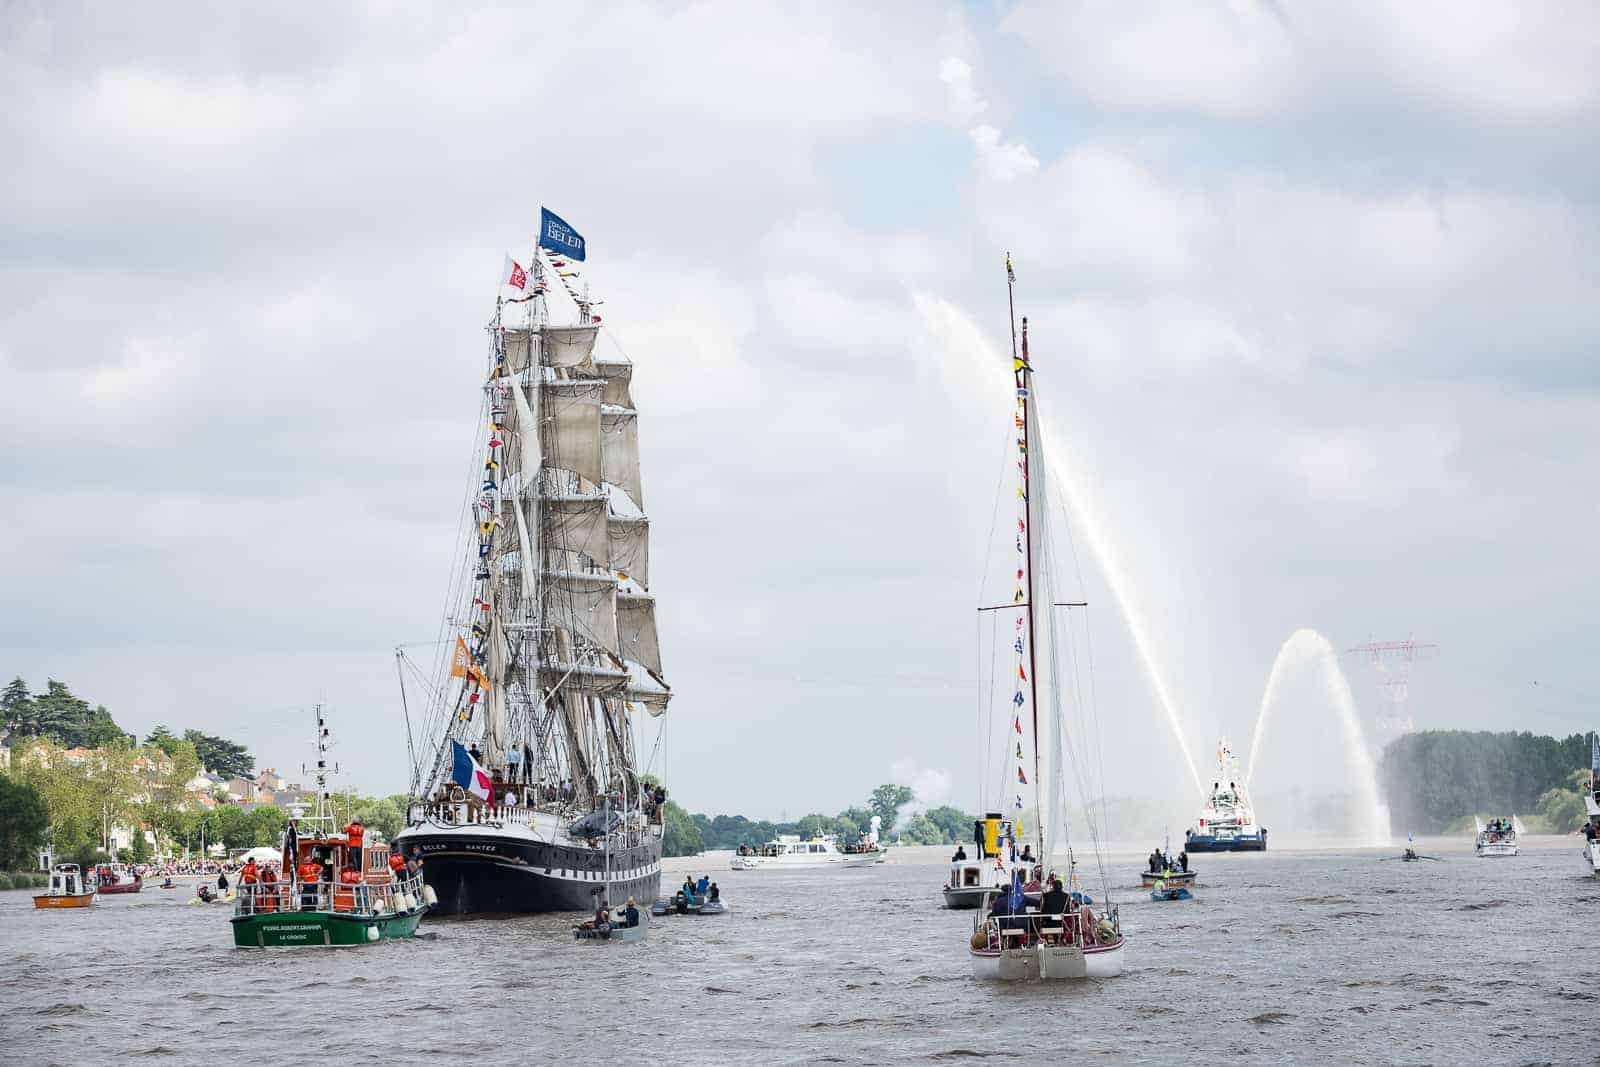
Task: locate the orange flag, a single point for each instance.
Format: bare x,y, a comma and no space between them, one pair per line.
461,665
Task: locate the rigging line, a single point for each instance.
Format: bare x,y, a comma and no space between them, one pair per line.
411,748
1088,640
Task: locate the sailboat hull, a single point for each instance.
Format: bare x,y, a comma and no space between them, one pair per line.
1005,965
478,872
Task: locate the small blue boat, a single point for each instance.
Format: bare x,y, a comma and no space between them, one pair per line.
1171,892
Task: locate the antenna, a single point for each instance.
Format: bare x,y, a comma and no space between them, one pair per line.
324,798
1392,660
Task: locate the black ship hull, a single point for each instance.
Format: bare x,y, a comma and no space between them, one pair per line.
485,873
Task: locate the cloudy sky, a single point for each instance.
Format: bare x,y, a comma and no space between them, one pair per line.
1313,291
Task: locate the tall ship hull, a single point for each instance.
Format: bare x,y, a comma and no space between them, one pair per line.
506,869
533,795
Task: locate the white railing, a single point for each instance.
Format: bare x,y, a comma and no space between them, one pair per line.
264,898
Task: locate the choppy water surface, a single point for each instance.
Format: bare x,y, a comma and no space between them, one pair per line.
1330,957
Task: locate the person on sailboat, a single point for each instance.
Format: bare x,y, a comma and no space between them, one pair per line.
630,915
1054,901
1183,860
960,855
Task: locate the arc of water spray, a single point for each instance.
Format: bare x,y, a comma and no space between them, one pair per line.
1115,573
1308,645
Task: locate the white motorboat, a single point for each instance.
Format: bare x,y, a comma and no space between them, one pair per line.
1497,837
791,852
1061,937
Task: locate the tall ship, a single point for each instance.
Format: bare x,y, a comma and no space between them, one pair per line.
529,795
1228,820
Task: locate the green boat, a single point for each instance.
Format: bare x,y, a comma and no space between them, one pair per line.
330,886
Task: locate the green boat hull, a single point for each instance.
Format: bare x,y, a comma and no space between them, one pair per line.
320,928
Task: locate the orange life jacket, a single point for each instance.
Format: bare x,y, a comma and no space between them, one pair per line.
397,863
310,871
353,834
248,873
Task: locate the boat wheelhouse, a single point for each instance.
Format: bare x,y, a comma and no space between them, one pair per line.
974,878
68,889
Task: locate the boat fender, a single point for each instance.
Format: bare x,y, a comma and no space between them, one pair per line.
372,933
429,895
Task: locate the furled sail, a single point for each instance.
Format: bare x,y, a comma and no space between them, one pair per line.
636,630
620,437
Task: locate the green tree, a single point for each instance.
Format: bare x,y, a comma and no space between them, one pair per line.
18,713
165,740
24,821
815,825
887,800
680,836
221,756
386,815
954,824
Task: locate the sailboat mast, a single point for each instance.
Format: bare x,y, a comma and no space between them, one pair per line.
1022,373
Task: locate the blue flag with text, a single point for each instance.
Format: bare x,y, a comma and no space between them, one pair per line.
558,237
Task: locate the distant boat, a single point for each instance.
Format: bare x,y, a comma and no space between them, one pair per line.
790,851
1498,837
109,880
990,872
68,889
1228,820
1161,893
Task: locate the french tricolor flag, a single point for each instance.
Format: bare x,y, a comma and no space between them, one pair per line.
467,773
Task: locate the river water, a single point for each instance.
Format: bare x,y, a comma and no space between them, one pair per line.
1288,957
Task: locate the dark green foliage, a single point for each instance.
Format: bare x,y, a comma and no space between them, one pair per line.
939,826
680,836
60,716
24,820
163,739
1436,777
221,756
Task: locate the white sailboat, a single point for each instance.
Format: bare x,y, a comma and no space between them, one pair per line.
1063,938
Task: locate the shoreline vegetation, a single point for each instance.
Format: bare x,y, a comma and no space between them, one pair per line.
895,806
1436,781
94,793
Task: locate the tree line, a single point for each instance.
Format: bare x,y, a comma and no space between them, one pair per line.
688,834
1436,780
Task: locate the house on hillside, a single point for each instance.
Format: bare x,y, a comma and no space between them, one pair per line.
270,781
243,790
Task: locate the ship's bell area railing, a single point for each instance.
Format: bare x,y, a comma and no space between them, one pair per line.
399,896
